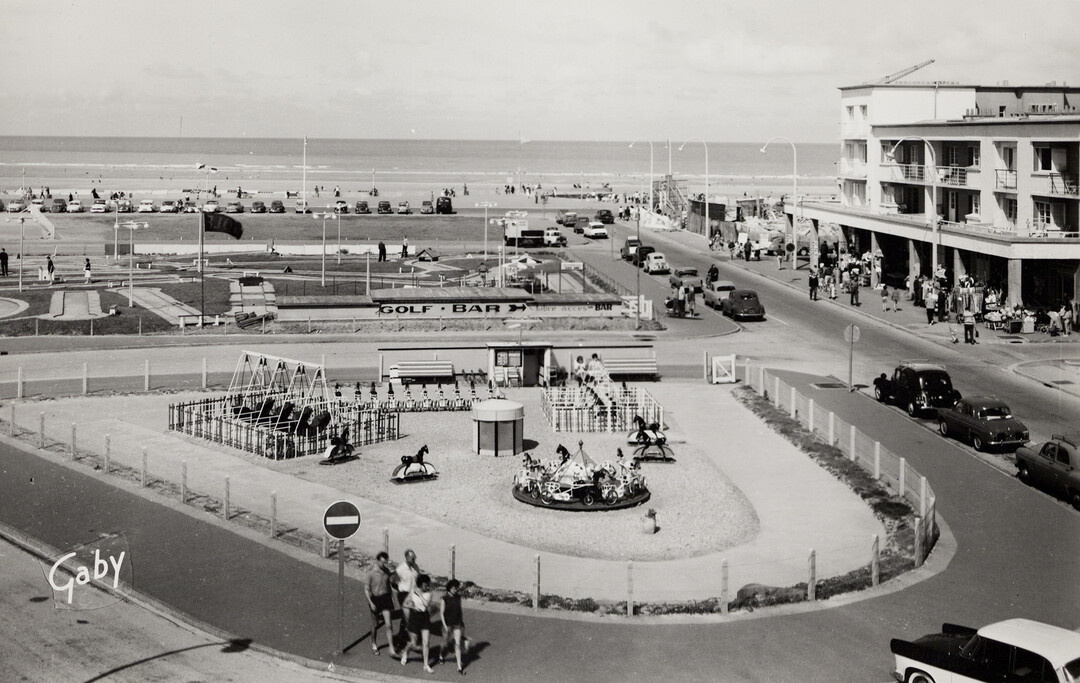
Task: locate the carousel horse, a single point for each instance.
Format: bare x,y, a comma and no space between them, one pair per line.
413,468
339,450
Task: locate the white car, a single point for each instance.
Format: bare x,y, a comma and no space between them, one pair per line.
170,206
75,206
16,205
596,230
656,263
211,206
147,206
403,207
99,206
39,203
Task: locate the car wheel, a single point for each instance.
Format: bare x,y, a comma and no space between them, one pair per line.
919,677
1074,498
879,394
977,442
1023,473
943,428
911,409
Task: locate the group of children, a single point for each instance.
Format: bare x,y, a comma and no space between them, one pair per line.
417,601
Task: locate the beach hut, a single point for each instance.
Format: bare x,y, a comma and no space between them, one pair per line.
498,425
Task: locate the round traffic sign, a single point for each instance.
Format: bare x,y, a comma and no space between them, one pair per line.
851,334
341,520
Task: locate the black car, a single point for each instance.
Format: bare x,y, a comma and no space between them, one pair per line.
384,208
277,206
640,253
742,304
444,205
258,207
605,216
984,421
917,386
362,207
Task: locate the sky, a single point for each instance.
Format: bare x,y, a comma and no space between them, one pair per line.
718,70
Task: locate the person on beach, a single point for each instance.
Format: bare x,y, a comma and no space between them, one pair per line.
50,268
380,599
453,624
3,262
405,247
419,602
405,579
86,271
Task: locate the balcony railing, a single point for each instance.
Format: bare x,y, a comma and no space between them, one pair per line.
1064,183
1040,227
910,172
953,176
850,168
1004,179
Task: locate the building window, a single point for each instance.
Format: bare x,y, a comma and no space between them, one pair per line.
1043,159
862,112
974,157
975,204
1008,156
1010,210
851,113
1043,215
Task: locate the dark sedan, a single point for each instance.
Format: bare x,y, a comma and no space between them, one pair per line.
742,304
985,422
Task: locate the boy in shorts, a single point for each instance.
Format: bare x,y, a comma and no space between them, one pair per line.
381,601
453,623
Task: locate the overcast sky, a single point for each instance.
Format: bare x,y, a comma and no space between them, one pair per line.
576,70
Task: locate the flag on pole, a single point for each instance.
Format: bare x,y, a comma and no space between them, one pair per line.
218,222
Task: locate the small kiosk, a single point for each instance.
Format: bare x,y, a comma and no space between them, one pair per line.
529,363
498,427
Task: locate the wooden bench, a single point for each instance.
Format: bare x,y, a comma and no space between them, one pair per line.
632,367
421,370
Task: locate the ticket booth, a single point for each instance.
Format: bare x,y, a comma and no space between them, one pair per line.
498,426
523,363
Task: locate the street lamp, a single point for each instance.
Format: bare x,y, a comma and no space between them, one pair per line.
931,212
22,251
794,196
707,226
324,215
486,206
651,198
132,226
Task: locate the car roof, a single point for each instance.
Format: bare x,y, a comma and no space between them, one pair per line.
985,402
921,365
1073,439
1060,646
656,254
742,292
724,284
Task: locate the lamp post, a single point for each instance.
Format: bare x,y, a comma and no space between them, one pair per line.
651,171
794,196
931,211
704,144
132,226
22,254
324,215
486,206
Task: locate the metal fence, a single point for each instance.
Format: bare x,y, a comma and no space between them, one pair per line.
212,419
891,470
578,409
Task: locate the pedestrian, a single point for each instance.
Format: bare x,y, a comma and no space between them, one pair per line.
969,327
419,602
405,579
50,268
453,624
896,299
86,271
779,259
813,282
1066,318
3,262
884,298
691,300
931,304
380,599
746,250
405,247
382,251
854,287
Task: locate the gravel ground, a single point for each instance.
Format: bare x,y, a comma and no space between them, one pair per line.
699,510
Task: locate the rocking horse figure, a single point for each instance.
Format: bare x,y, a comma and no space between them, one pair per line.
413,468
644,433
339,450
652,442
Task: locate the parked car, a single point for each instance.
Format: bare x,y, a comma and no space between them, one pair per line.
302,206
2,205
384,207
341,206
641,253
579,224
99,206
444,205
39,204
17,205
147,206
75,206
59,205
917,386
211,206
170,206
553,237
277,206
566,218
685,275
125,206
655,263
258,207
984,421
191,207
234,207
628,248
1010,650
742,304
596,230
604,216
362,207
403,208
717,291
427,208
1053,467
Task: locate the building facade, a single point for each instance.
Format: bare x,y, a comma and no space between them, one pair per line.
978,180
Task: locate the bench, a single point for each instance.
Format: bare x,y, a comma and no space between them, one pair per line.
417,370
632,367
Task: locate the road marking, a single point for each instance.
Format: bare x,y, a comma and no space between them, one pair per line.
773,317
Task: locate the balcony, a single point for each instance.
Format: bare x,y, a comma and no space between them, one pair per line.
1040,227
953,176
1004,179
1064,184
915,173
852,168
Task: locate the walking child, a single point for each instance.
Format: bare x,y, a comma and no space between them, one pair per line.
453,623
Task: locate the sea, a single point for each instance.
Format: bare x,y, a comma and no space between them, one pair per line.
276,165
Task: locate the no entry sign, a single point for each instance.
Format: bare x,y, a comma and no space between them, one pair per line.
341,520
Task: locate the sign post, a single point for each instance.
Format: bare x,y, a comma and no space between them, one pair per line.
340,521
851,335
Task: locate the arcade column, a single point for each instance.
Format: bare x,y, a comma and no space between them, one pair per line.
815,247
914,261
959,269
875,262
1016,272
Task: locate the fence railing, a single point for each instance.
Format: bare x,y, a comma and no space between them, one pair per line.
579,409
891,470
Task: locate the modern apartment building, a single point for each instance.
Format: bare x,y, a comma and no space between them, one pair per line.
985,176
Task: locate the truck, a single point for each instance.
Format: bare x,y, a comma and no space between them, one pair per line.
516,232
629,247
